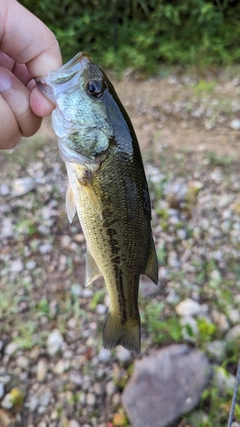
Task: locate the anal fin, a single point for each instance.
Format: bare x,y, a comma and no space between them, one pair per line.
92,270
151,269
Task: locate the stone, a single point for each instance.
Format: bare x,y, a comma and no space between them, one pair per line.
21,186
189,328
41,370
235,124
45,248
188,307
61,366
122,354
91,399
216,350
33,403
54,342
6,419
104,355
23,362
110,388
16,266
221,320
233,334
101,309
7,402
11,348
75,378
4,189
1,390
73,423
223,380
176,375
45,397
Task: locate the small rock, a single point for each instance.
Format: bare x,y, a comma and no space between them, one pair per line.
33,403
188,307
31,264
61,366
176,374
41,370
91,399
189,328
104,355
45,397
11,348
65,241
122,354
110,388
73,423
223,380
4,189
209,124
233,334
101,309
42,424
6,419
221,321
234,316
87,293
235,124
23,362
54,342
216,349
98,389
45,248
1,391
7,402
16,266
75,378
7,227
21,186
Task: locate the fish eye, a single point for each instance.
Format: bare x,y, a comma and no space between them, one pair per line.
94,88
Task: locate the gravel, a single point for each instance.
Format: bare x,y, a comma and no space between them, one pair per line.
51,325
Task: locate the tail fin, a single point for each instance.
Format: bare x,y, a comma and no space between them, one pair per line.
115,333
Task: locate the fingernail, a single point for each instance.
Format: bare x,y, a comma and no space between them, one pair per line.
5,81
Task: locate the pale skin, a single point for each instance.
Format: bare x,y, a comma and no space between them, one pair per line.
28,49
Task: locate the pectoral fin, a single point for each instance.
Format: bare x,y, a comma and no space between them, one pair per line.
151,269
70,204
93,198
92,270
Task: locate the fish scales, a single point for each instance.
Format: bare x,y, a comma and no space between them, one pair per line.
109,191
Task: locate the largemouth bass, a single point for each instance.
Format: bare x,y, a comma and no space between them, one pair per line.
107,188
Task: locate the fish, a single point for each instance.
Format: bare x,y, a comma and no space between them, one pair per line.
107,189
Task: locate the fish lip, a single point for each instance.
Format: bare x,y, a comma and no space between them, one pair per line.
48,84
45,88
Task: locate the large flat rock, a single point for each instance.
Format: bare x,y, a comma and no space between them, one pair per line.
165,385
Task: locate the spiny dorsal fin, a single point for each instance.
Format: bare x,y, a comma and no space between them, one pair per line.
151,269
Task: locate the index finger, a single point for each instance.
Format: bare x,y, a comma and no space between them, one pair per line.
27,40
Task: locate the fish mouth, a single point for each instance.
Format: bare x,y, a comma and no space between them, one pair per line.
52,84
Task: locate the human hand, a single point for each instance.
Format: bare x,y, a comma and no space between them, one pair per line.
28,49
